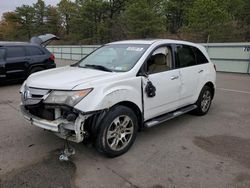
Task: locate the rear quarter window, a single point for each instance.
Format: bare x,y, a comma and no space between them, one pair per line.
33,50
15,51
200,57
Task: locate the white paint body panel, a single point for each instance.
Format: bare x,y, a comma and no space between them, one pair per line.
113,91
167,94
112,88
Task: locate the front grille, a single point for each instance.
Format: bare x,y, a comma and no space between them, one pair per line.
32,96
37,91
47,112
39,110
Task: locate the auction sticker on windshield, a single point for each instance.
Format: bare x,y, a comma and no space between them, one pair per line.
134,49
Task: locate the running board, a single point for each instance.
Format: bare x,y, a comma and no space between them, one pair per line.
168,116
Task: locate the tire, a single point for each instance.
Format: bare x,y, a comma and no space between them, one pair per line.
204,101
36,69
115,137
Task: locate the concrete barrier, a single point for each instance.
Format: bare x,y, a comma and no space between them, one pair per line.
228,57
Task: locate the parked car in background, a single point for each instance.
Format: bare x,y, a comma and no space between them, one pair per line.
118,89
20,59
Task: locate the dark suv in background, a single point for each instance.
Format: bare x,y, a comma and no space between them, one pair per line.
20,59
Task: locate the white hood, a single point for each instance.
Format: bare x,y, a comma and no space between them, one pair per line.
65,78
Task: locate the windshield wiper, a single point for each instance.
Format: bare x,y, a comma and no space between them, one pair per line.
99,67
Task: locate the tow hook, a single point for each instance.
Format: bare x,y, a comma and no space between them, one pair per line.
67,151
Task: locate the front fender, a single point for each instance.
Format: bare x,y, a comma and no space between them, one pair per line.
107,96
121,95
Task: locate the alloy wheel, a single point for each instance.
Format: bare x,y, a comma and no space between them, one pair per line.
206,101
120,132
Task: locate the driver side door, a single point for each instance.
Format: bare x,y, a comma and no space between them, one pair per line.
163,76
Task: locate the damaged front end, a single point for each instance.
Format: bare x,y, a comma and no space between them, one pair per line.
63,120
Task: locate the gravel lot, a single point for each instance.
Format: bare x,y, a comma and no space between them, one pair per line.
190,151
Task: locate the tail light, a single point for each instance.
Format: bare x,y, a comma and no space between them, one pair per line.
52,57
215,67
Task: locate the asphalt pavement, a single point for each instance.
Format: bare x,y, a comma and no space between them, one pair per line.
189,151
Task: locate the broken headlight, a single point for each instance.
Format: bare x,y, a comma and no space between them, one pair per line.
70,98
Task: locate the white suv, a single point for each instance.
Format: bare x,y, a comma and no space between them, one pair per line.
119,89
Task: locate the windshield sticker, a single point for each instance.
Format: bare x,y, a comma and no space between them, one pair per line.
134,49
119,68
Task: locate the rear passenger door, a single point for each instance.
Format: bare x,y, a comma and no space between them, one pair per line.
16,62
190,73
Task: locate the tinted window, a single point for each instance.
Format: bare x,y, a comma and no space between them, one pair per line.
15,52
34,51
185,56
160,60
2,54
200,57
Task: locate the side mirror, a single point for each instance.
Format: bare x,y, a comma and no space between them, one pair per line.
143,73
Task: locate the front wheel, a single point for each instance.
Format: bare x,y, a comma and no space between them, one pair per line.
118,131
204,101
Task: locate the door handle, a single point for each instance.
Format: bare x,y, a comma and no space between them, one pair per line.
174,77
27,59
200,71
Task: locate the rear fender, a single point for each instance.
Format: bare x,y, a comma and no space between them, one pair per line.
209,77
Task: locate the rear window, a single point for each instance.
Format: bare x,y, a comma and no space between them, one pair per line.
15,51
34,50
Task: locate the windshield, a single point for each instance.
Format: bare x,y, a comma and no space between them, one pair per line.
114,57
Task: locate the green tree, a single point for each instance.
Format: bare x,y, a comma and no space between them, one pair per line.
39,16
93,21
25,15
174,13
101,21
114,10
242,16
53,22
141,20
67,10
8,26
207,17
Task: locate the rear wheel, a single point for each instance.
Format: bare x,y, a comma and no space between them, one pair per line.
118,131
204,101
36,69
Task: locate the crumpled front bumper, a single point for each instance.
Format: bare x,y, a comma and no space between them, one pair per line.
42,123
60,127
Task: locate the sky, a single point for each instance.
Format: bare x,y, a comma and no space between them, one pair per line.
10,5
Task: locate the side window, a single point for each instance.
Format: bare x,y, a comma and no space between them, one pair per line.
160,60
2,54
185,56
15,51
34,51
200,57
